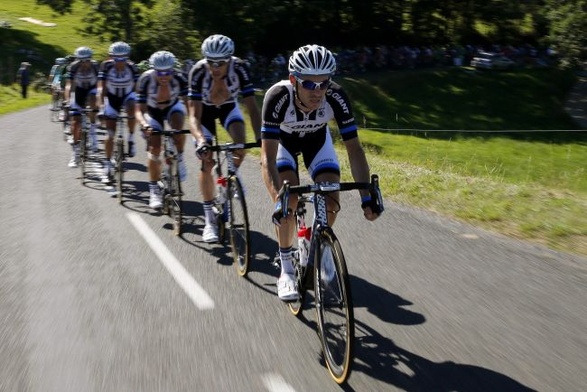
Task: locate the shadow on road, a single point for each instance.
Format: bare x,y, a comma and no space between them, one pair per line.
380,358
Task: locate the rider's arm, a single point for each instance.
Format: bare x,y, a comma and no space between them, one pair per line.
358,162
140,110
101,92
269,166
195,108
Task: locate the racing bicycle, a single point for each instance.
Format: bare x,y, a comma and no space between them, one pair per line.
230,206
169,184
322,268
84,140
118,153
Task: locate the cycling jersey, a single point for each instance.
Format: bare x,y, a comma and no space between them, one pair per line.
306,133
82,77
147,92
238,80
118,83
56,75
282,117
148,89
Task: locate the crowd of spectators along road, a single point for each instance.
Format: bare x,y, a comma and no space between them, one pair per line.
266,69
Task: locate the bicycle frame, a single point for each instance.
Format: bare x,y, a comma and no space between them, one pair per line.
230,205
327,271
169,183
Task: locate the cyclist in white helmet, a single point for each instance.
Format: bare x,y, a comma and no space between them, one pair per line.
117,79
56,74
161,94
295,117
215,83
80,91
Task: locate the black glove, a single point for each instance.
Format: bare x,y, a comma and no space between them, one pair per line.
201,150
373,203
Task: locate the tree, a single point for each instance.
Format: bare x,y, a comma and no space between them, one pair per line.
568,30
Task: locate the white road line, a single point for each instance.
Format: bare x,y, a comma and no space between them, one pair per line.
196,293
275,383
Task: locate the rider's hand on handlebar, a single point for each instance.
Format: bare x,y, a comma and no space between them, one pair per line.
277,215
371,208
202,150
146,130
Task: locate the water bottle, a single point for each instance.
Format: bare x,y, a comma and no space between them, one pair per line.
304,234
221,184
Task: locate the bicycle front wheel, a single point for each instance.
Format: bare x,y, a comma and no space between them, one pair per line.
334,307
175,199
240,238
119,167
83,152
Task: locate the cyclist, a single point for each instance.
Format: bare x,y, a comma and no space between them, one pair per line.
215,83
80,89
117,79
55,78
161,93
295,116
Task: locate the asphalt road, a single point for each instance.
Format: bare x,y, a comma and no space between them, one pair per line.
97,296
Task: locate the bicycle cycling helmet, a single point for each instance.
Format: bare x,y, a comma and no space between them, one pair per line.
312,60
162,60
83,52
60,60
217,47
119,49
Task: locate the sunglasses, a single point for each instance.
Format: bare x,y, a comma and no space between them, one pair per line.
309,85
119,59
165,73
217,63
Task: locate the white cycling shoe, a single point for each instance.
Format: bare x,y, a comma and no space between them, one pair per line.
286,287
210,233
155,200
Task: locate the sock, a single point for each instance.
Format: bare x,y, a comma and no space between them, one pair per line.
131,137
153,186
208,213
286,256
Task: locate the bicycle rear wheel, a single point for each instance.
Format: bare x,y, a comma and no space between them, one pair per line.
175,199
240,238
119,167
334,307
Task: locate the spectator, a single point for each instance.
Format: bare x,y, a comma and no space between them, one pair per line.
23,77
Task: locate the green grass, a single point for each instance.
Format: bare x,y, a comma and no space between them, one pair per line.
529,185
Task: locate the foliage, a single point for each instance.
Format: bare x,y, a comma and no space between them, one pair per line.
568,30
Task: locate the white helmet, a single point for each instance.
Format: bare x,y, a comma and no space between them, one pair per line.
60,60
312,60
83,52
217,47
162,60
119,49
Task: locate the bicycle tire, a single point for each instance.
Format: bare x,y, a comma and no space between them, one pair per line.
83,152
119,167
240,237
174,193
334,307
296,306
